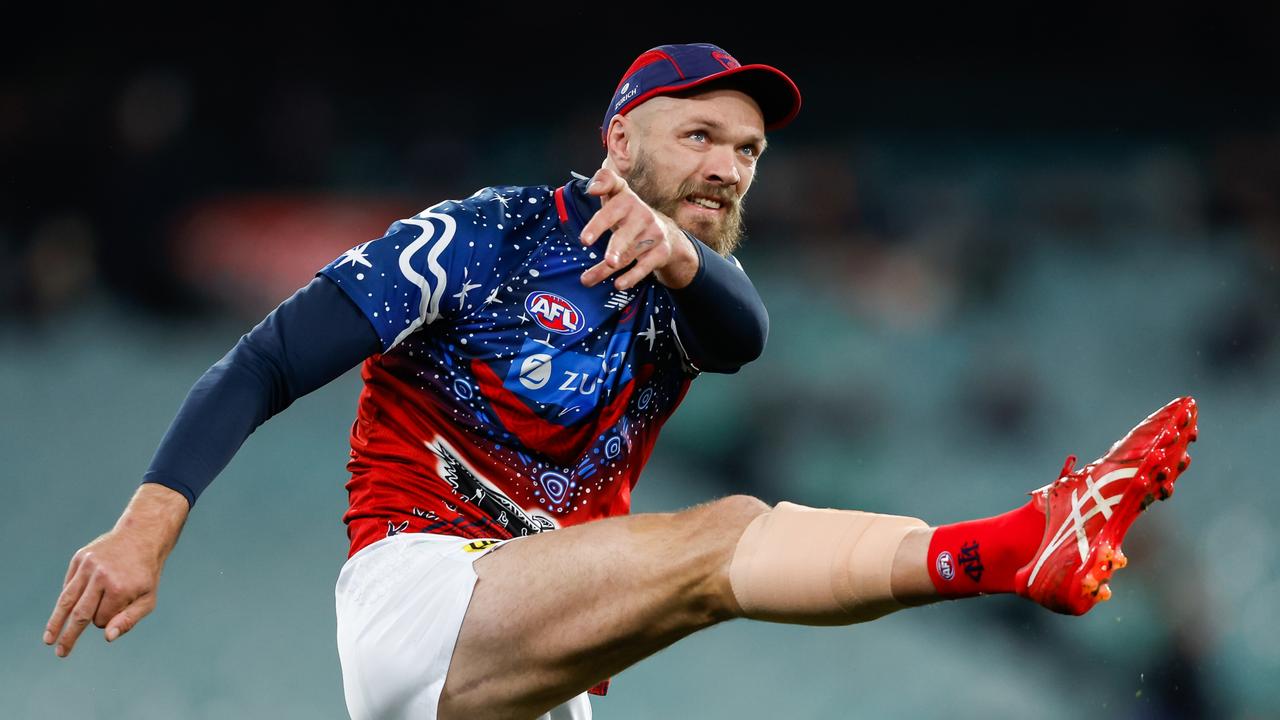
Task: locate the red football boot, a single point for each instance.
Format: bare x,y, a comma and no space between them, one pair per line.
1088,511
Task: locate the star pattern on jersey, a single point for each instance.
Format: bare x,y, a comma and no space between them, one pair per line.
492,297
356,255
652,333
467,286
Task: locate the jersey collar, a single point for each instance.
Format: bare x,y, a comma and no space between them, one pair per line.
574,205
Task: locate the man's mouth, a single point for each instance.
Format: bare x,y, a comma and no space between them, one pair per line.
705,202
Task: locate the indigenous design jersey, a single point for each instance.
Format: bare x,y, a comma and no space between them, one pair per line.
508,398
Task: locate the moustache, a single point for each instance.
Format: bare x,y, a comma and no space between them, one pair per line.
725,196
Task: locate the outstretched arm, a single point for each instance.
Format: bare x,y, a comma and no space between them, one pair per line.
306,342
310,339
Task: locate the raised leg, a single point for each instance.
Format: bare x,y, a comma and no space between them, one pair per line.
554,614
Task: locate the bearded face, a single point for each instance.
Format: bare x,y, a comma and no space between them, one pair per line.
691,203
692,156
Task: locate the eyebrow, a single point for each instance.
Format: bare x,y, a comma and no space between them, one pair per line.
717,125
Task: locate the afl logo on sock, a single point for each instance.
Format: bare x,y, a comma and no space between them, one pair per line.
946,565
554,313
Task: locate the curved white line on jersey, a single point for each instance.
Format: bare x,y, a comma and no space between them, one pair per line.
1074,522
433,260
412,275
429,309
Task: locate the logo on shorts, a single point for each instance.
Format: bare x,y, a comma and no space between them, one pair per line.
946,565
554,313
479,545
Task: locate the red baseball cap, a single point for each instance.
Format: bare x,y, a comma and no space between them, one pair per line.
669,69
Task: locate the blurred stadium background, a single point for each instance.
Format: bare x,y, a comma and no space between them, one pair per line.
987,242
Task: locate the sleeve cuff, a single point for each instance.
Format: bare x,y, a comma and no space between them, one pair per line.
175,485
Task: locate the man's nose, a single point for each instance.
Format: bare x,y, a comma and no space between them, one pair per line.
722,167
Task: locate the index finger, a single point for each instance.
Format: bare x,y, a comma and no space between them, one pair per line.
71,592
71,569
605,184
603,221
81,615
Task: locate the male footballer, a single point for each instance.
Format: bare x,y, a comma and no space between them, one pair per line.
521,348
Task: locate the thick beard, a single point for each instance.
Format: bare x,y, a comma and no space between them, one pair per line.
724,237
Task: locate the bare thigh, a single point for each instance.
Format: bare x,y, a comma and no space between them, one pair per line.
556,613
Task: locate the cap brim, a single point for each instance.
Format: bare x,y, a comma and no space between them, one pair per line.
775,93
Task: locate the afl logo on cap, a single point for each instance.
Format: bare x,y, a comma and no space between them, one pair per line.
553,312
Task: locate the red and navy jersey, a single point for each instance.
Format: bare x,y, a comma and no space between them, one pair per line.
508,398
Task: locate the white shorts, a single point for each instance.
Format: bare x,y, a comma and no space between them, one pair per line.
400,605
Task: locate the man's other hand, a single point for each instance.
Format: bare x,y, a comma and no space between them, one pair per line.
112,581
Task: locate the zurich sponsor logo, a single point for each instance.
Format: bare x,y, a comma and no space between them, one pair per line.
625,95
946,565
535,371
554,313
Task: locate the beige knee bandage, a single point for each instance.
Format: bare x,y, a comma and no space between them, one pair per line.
814,566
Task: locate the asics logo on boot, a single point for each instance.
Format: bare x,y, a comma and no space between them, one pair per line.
1084,509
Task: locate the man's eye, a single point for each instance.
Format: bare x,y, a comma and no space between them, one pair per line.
749,151
697,136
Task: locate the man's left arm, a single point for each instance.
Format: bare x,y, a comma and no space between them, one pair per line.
721,322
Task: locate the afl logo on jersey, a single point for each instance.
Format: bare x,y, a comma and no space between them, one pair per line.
553,312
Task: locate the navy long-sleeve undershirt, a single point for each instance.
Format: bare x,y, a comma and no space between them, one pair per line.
309,340
722,321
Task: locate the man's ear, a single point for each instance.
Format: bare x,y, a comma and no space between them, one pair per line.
619,143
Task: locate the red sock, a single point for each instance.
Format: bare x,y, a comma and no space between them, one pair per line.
981,556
